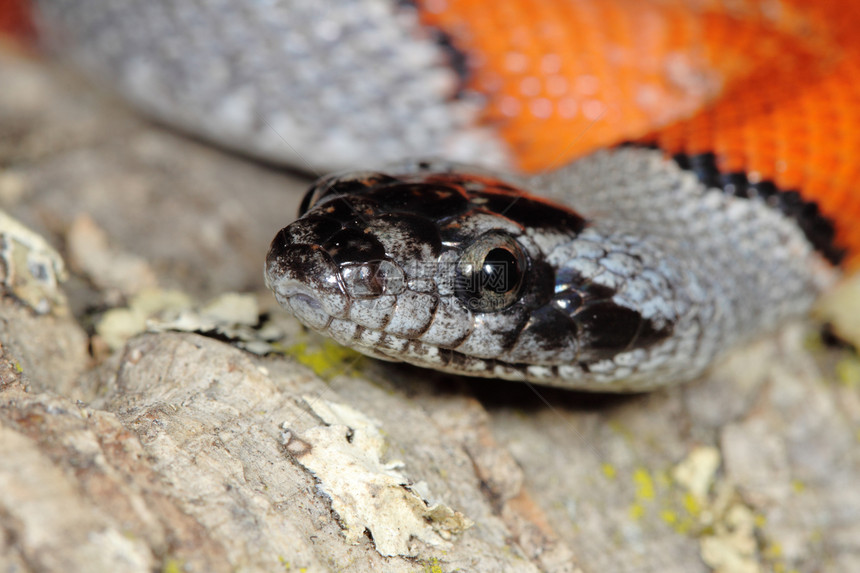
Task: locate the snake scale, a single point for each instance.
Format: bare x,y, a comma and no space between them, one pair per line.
678,175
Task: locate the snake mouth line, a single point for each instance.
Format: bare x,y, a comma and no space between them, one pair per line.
393,348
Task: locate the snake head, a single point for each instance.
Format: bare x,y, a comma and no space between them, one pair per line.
463,273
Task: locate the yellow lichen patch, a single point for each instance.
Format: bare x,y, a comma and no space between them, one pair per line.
644,484
691,500
619,429
289,566
669,516
325,359
636,511
433,566
644,492
685,508
848,372
691,504
172,566
773,551
654,491
609,470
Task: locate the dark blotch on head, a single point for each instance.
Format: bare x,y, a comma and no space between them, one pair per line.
550,329
312,229
342,186
427,200
421,232
612,329
531,212
606,327
307,200
278,248
540,286
354,246
350,211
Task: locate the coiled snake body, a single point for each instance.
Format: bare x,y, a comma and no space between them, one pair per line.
632,267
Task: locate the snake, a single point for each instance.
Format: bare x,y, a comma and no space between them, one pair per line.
602,195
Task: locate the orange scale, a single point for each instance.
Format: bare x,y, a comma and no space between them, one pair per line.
790,168
797,148
788,133
847,173
850,230
792,177
670,139
849,134
729,162
758,172
848,100
852,205
699,134
763,164
826,164
849,205
829,204
619,88
837,199
824,140
757,160
824,130
729,139
729,116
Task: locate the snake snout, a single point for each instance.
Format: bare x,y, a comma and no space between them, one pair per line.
305,279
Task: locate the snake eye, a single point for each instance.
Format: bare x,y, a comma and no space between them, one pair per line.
490,272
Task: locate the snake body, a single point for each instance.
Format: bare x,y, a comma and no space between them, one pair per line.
629,268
